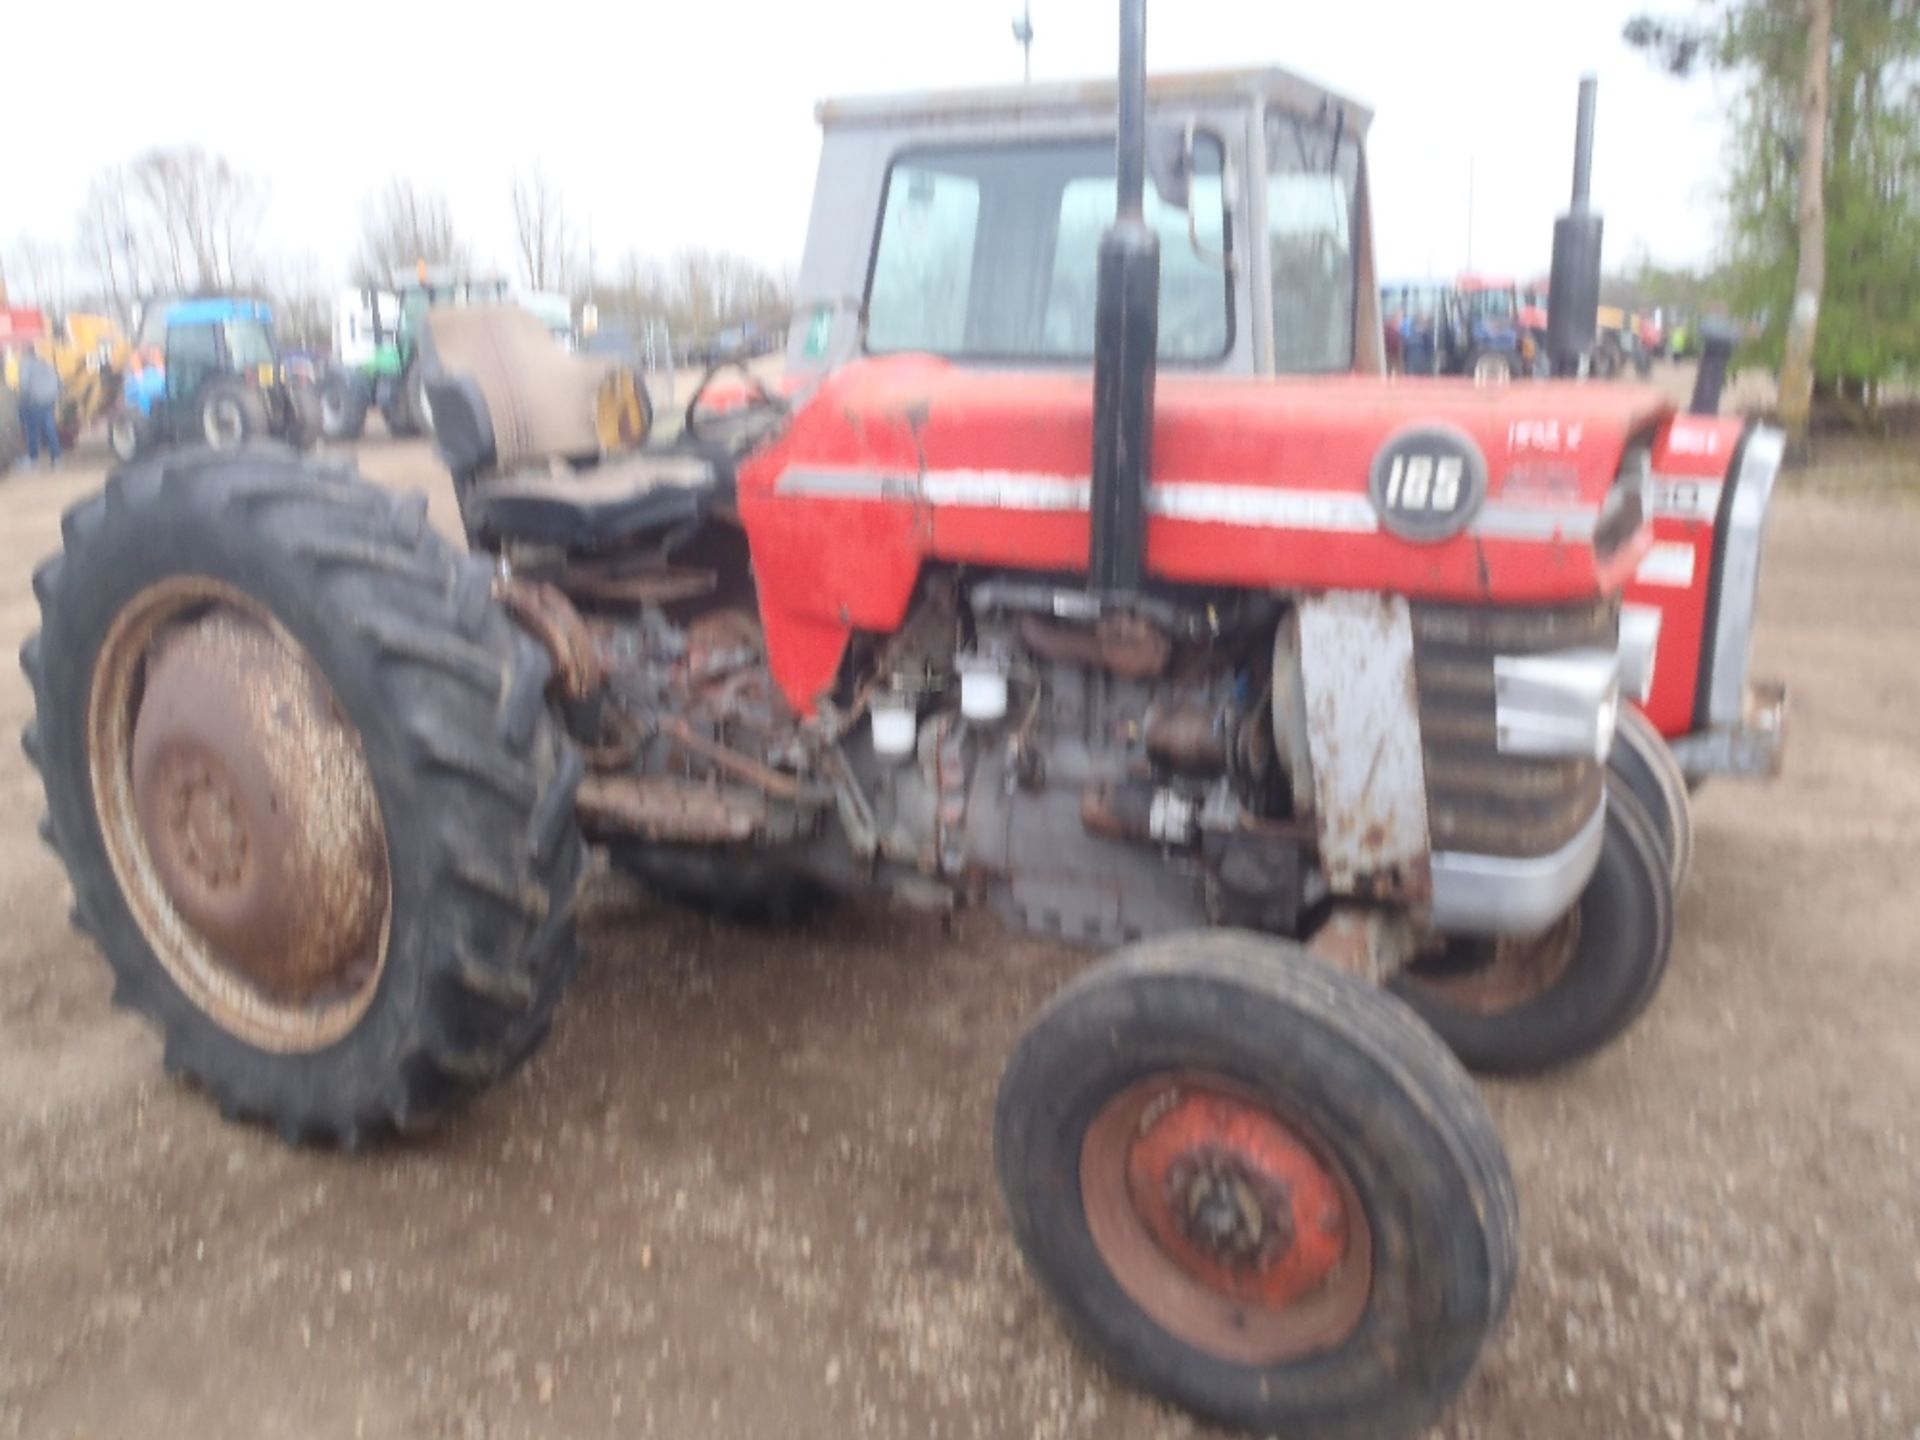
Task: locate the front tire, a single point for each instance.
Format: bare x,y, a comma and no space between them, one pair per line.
344,399
231,413
301,773
1258,1187
1525,1005
1644,764
125,433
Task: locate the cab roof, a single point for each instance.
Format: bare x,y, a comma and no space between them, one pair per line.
217,311
1270,86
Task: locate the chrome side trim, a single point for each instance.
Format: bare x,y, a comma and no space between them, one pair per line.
1739,577
1319,511
1560,703
1500,895
1639,649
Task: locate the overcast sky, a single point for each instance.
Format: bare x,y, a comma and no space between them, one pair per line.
668,125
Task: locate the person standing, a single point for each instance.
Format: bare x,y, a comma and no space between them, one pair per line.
39,399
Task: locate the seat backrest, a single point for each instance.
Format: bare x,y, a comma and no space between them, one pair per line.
539,398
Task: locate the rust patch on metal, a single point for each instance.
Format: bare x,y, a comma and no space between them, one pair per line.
1126,645
546,614
668,809
600,586
1492,977
1188,736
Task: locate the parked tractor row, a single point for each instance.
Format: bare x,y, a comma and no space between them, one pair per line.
1304,693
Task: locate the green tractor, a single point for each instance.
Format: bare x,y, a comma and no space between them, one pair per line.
376,352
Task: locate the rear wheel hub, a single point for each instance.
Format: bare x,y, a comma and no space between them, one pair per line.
241,817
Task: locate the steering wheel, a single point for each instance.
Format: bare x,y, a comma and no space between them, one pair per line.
761,397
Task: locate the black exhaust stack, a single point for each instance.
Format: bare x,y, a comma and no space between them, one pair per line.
1573,292
1126,334
1716,356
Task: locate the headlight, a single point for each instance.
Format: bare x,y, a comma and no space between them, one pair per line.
1625,508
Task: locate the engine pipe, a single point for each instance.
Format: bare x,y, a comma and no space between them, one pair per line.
1573,291
1126,333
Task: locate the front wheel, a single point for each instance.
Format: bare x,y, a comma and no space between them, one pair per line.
124,435
344,399
301,773
231,413
1520,1005
1258,1188
1642,762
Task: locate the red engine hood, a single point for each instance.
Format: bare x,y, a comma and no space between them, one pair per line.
1255,482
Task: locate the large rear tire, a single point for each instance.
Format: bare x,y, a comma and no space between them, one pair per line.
1258,1188
1524,1005
301,772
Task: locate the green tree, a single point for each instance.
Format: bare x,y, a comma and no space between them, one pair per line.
1858,180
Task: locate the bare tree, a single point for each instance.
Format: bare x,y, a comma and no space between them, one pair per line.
40,266
109,243
405,225
1810,279
540,231
198,216
302,303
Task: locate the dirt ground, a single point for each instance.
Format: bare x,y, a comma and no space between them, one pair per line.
745,1190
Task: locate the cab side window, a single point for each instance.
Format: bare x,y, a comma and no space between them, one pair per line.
193,355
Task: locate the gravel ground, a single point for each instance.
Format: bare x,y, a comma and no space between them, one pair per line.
745,1190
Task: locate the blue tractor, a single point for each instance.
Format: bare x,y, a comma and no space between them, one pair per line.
208,372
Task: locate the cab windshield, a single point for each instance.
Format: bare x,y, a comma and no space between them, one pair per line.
1313,181
249,344
990,252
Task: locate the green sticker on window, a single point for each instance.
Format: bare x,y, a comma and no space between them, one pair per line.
819,331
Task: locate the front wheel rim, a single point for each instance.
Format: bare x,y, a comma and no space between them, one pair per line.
1228,1225
225,426
239,816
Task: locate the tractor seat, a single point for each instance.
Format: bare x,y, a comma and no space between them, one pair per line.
504,393
643,493
543,445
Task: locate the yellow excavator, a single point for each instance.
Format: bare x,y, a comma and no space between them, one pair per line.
88,351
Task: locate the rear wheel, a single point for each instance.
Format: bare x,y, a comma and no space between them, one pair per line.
302,776
1258,1187
1524,1004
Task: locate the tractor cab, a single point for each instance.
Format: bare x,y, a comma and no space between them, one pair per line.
215,378
966,225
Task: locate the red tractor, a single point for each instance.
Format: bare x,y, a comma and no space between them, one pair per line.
1092,572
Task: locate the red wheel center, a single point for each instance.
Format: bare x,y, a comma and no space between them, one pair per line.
1235,1200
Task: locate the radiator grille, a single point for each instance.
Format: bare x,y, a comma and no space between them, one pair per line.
1479,800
